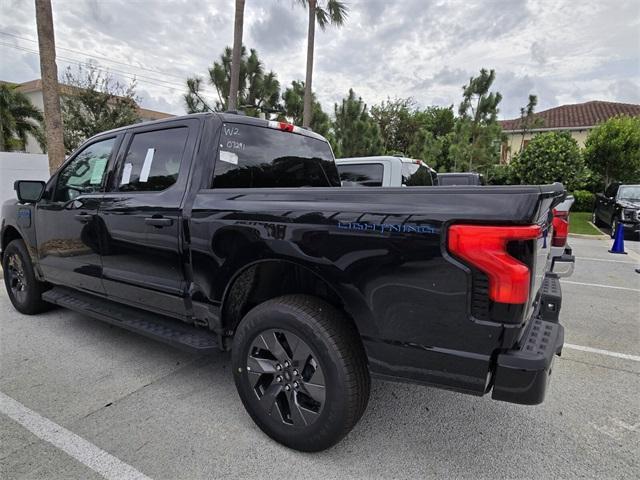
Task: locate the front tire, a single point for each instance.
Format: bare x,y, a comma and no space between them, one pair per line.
595,220
23,288
301,372
614,227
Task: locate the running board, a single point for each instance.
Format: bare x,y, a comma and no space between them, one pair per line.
158,327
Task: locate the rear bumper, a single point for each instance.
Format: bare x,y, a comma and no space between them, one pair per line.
521,374
562,264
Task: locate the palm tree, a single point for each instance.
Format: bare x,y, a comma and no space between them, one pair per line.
50,87
324,12
18,118
237,53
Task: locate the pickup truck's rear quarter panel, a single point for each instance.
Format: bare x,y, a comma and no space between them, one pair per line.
408,298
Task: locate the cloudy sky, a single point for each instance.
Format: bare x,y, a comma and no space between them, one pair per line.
565,51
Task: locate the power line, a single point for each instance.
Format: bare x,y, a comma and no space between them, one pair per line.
130,75
62,57
105,59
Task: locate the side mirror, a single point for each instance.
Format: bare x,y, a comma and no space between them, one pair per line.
29,191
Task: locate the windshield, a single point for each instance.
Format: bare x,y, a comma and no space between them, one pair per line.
629,192
257,157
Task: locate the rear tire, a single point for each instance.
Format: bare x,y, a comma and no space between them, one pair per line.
301,371
23,288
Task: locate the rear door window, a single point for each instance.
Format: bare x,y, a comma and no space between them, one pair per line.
365,174
152,162
258,157
416,175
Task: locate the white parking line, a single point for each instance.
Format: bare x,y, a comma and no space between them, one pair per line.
605,260
626,356
599,285
77,447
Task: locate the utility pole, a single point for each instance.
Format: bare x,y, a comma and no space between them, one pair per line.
50,89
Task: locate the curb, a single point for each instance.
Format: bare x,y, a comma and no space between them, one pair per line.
592,237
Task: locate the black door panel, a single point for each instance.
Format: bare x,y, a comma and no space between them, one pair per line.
141,213
68,230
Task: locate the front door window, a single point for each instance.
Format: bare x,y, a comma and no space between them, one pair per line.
85,173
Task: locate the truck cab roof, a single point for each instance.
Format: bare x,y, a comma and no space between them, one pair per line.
225,117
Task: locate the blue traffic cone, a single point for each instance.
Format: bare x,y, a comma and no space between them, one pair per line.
618,242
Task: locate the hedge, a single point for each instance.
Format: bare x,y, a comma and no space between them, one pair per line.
584,201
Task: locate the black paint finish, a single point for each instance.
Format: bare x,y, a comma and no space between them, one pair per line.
380,251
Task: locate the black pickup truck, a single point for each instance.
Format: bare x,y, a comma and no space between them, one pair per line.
223,231
618,205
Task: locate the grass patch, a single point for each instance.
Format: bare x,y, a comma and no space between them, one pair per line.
580,222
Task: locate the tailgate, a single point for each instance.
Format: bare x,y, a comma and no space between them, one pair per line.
507,263
543,258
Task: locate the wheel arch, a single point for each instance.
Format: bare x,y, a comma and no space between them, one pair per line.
265,279
9,234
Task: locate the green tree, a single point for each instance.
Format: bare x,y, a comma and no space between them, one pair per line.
612,150
434,133
433,149
325,12
407,130
528,118
550,157
257,91
293,103
396,122
18,118
355,134
478,133
93,102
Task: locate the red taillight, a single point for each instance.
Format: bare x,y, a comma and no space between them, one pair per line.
285,127
485,247
560,228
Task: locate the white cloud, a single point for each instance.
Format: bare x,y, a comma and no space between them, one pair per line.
562,50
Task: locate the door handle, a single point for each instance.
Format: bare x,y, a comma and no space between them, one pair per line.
158,221
83,217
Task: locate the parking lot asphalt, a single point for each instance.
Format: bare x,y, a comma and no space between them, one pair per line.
163,414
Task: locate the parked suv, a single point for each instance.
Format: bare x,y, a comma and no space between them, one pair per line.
619,204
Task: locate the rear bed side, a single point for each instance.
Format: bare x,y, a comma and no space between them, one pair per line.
382,251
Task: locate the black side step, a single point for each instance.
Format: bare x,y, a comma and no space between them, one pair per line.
158,327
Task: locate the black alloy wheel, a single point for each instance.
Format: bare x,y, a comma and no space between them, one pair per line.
594,219
16,280
614,227
286,377
24,289
301,371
